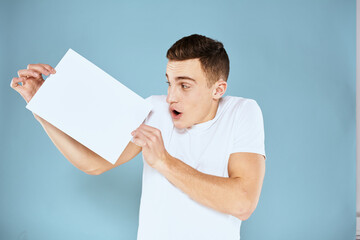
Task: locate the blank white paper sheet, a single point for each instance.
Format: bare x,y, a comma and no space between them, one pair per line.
90,106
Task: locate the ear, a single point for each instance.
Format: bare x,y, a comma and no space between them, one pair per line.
219,88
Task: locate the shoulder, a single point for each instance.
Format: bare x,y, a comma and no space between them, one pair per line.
242,105
245,112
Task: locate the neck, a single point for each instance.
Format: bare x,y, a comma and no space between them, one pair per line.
213,110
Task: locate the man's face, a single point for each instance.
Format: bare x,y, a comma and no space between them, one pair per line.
188,93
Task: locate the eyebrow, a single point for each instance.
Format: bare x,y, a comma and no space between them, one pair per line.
181,78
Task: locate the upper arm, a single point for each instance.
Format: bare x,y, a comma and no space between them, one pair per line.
249,168
130,151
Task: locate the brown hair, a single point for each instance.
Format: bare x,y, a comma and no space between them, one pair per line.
211,53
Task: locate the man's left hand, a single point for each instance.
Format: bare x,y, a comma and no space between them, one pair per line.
151,141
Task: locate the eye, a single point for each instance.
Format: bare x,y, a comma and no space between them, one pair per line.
184,86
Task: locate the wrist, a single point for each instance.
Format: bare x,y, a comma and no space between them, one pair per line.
36,117
164,164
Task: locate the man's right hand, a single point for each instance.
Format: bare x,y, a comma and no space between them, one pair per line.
31,79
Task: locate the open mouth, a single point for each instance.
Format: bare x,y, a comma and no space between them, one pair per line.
175,114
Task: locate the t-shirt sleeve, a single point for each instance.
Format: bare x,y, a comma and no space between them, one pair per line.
249,133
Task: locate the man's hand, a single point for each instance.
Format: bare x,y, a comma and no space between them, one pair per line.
31,79
151,141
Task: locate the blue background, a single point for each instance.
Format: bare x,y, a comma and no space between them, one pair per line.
295,58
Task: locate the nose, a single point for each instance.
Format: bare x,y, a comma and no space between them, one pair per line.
171,96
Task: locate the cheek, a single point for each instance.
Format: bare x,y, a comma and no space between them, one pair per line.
193,110
194,102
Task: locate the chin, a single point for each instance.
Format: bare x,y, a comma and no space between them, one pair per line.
179,125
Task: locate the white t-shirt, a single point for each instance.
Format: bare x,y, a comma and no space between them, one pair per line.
167,213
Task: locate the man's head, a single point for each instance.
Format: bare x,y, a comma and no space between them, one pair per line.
197,72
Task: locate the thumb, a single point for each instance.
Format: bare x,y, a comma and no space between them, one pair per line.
15,82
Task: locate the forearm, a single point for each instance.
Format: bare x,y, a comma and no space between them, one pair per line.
76,153
220,193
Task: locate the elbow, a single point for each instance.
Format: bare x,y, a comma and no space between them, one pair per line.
243,215
244,211
94,172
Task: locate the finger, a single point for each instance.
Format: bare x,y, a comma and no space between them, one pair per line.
139,142
49,68
150,135
140,138
15,81
149,128
154,131
29,73
38,67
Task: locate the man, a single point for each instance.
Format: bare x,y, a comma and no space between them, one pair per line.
203,152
